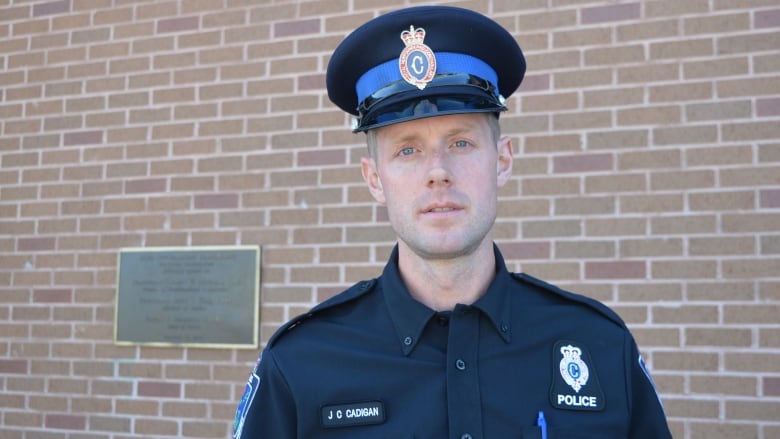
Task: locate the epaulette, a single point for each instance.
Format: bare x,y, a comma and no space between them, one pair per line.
355,291
591,303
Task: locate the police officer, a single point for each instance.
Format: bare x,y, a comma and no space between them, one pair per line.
446,343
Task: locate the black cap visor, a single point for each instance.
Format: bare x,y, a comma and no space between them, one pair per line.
446,94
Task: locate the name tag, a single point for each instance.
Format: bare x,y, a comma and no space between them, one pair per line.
348,415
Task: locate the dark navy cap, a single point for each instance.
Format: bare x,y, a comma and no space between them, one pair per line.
424,61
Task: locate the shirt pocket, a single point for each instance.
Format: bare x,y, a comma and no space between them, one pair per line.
573,433
564,433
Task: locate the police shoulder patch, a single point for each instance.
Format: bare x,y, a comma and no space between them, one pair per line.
575,384
246,400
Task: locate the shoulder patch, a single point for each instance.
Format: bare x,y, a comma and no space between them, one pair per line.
575,383
246,400
355,291
587,301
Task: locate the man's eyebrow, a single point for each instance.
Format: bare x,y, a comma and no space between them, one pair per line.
414,136
460,130
403,137
464,128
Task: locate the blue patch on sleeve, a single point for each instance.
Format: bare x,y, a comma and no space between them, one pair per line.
246,402
643,366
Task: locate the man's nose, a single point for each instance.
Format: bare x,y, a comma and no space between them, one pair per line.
439,169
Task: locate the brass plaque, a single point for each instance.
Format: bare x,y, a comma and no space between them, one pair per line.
189,296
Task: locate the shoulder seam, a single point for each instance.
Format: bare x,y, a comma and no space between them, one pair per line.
574,297
352,293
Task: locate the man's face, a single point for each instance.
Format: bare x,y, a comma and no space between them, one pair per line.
438,178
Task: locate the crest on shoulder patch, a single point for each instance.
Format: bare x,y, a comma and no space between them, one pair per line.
575,385
573,370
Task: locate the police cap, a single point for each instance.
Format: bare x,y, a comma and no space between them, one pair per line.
424,61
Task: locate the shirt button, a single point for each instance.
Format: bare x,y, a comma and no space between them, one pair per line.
408,341
465,436
461,365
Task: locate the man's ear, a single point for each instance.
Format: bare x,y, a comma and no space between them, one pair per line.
504,163
371,177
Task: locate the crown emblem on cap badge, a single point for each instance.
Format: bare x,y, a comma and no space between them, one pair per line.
417,62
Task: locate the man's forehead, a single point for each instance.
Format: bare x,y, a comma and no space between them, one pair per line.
440,125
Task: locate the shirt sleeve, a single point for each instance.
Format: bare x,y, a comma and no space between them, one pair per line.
267,408
648,420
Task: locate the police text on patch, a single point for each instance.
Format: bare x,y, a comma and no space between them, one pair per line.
577,400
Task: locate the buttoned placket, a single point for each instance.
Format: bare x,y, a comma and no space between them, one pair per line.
463,391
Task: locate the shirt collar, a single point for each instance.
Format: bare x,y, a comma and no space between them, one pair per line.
410,316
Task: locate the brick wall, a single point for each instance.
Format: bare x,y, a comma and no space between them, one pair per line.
647,137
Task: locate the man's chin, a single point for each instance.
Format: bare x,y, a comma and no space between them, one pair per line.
443,250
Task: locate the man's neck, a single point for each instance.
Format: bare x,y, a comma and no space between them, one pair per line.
440,284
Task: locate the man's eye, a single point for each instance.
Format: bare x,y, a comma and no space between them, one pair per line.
406,151
461,144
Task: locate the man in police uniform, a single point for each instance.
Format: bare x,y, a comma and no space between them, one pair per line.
446,343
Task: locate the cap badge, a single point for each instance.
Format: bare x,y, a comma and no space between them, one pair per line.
573,370
417,62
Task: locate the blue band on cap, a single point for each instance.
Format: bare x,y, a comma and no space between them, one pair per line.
446,62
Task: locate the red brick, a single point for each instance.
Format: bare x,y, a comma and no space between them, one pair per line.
602,14
526,250
615,270
293,28
177,24
535,82
53,296
770,18
146,186
583,163
66,422
768,107
82,138
14,366
216,201
36,244
54,7
321,158
110,423
771,386
159,389
770,198
311,82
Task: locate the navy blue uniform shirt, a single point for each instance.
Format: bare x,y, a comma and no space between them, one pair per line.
373,362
